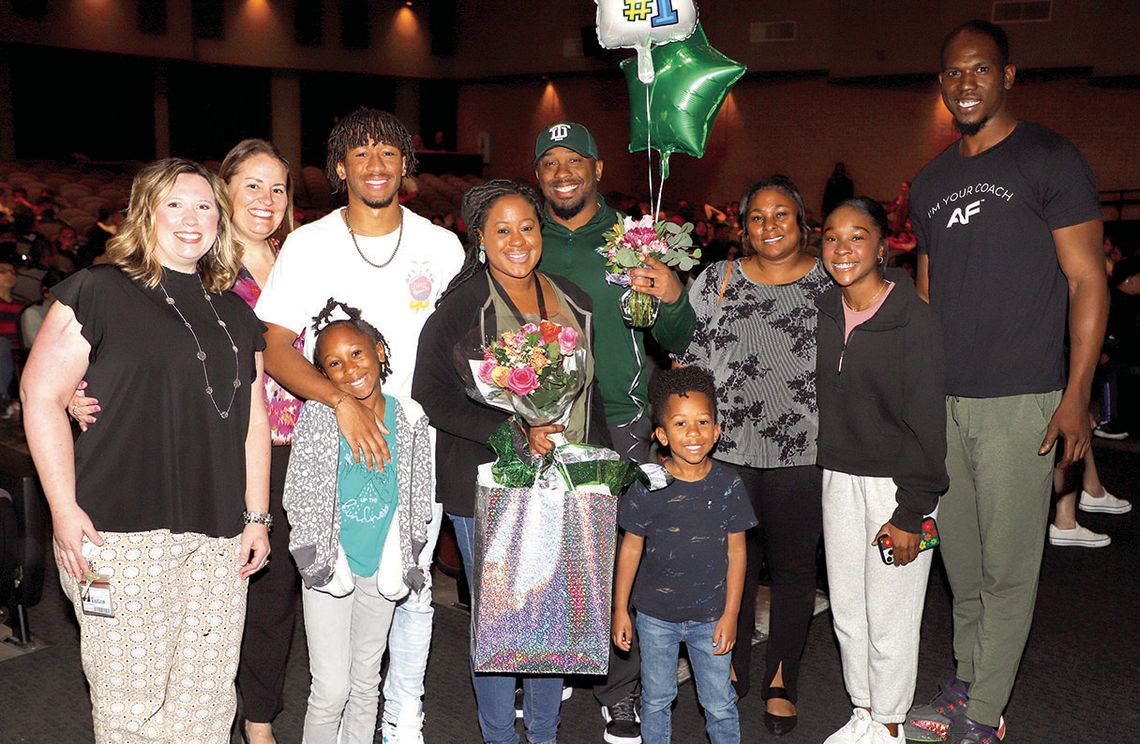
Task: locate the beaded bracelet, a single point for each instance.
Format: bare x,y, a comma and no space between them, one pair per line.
337,404
257,518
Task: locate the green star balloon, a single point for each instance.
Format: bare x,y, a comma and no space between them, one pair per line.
691,80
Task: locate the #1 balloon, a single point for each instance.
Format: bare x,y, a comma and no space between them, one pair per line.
692,80
643,24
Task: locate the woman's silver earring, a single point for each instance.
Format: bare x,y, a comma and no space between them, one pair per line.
482,253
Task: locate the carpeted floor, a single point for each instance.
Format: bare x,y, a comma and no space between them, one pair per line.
1076,683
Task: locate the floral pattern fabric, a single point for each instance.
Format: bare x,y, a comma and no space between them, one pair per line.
281,406
758,340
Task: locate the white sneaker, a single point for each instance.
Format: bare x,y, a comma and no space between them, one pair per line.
1078,537
857,729
408,730
1106,504
880,735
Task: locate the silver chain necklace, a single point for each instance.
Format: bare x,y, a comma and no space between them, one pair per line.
399,237
202,354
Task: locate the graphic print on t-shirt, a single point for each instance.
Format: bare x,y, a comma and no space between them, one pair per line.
421,282
986,224
959,210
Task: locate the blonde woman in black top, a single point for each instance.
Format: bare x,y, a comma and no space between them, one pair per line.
159,513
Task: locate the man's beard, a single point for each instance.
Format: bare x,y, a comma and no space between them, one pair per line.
970,129
379,204
568,212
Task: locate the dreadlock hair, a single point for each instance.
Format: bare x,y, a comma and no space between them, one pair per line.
680,381
358,129
324,320
477,203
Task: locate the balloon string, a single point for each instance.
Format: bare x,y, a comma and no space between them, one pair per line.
632,393
649,140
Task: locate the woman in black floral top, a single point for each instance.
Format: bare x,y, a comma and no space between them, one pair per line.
756,321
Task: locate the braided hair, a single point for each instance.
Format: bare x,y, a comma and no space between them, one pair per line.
477,203
325,320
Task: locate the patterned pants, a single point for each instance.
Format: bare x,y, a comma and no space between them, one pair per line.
162,669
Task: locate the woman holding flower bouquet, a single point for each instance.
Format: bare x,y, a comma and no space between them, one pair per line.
756,321
499,290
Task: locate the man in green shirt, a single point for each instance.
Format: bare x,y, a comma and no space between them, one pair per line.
568,170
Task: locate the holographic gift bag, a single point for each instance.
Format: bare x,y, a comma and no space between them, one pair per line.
543,564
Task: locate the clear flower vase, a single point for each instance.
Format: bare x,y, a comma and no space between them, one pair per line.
639,310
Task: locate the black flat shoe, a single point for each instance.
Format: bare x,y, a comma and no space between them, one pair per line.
779,725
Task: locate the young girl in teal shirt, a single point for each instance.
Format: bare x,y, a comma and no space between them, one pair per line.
354,530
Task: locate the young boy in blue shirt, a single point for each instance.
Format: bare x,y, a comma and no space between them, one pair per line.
690,581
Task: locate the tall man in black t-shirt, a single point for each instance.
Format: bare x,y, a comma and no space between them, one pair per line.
1009,234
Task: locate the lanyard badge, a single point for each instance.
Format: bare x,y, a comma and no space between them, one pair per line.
96,594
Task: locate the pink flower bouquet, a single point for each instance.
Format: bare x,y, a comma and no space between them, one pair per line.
536,372
629,243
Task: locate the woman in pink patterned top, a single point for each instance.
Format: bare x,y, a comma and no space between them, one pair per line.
260,188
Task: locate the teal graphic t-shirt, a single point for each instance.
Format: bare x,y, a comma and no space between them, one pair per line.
367,501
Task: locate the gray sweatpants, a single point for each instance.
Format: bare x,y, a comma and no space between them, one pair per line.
876,608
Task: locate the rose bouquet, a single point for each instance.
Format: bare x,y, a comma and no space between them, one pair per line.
628,244
535,372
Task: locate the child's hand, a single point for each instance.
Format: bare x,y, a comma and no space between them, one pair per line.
621,630
724,635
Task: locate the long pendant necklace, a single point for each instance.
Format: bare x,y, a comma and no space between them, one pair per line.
882,288
202,354
399,238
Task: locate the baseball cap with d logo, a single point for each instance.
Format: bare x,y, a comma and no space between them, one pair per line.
568,134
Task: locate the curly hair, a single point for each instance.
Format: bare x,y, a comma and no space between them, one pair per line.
680,381
324,320
245,150
477,203
358,129
133,247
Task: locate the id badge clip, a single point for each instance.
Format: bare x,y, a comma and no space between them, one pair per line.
96,594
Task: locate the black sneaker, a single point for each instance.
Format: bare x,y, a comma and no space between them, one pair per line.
623,724
1110,430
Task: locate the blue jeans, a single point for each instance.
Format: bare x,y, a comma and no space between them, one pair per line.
495,693
660,646
410,640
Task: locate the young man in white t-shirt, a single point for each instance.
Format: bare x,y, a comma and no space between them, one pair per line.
391,264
